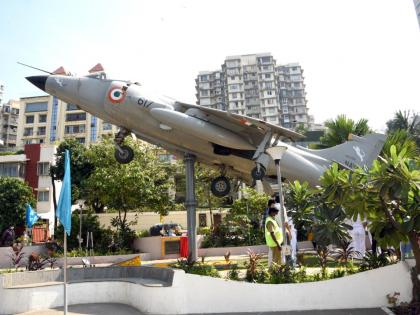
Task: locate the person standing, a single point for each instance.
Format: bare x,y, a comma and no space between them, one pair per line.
358,237
273,237
271,204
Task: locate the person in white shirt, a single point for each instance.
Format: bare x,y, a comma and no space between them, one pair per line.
358,236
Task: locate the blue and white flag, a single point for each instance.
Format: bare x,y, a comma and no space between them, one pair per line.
64,202
31,216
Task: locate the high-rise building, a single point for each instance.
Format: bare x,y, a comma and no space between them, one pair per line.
1,93
46,119
9,115
417,7
255,86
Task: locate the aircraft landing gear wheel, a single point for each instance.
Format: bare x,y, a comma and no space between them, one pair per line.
220,186
124,154
258,174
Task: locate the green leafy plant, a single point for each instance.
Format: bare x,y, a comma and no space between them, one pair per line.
338,273
233,273
345,252
193,267
373,261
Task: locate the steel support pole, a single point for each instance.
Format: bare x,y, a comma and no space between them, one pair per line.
190,204
281,199
65,274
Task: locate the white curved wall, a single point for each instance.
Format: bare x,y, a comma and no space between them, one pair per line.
196,294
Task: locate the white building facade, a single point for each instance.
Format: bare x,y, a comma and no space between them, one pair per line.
9,118
46,119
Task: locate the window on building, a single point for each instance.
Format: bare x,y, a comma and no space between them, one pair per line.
36,107
76,117
203,78
106,126
204,93
41,131
28,141
28,132
30,119
43,168
269,93
72,107
265,59
81,140
9,169
267,75
43,195
71,129
234,95
42,118
270,101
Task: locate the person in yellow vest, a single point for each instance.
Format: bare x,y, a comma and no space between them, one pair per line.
273,236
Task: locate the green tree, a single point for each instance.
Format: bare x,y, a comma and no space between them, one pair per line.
141,185
79,165
300,204
401,139
388,196
14,195
102,236
407,121
338,130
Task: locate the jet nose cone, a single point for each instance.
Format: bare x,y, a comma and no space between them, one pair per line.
38,81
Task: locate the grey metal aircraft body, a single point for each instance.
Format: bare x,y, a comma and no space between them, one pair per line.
235,144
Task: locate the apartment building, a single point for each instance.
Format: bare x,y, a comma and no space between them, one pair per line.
33,167
291,96
46,119
9,116
255,86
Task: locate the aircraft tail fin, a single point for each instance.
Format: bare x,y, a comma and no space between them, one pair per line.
357,151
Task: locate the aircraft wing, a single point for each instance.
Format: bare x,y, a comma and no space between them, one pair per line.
253,129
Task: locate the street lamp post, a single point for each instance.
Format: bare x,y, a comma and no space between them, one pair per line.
276,154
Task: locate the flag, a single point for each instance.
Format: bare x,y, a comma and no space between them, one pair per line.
64,202
31,216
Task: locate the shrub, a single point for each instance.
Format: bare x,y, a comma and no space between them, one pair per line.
286,274
233,273
102,237
193,267
372,261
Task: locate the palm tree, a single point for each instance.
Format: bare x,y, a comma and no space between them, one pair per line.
407,121
339,129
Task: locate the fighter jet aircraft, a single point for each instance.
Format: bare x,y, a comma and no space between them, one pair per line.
235,144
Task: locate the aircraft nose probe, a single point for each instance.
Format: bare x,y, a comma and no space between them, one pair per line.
38,80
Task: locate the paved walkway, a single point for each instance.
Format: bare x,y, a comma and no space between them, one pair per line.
120,309
90,309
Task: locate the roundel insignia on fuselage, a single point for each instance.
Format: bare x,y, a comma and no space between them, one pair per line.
116,95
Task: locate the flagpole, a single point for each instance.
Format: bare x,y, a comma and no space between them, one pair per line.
65,273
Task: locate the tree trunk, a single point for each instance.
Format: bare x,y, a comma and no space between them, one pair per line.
211,212
416,270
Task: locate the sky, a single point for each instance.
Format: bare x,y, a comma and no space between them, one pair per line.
360,58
